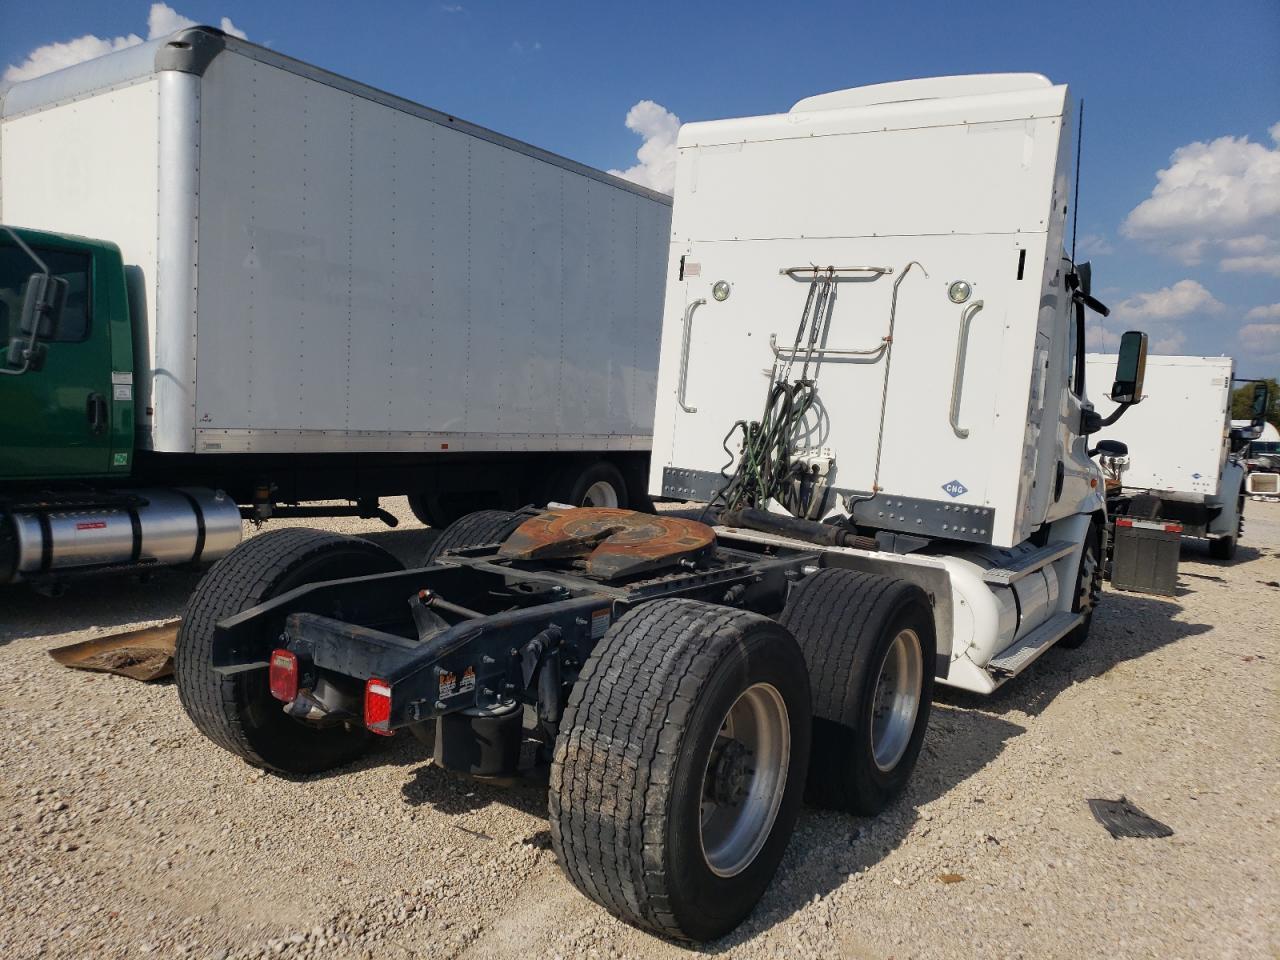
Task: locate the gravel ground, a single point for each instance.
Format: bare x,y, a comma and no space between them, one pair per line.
124,833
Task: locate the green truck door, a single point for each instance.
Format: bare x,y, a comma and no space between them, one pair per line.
55,422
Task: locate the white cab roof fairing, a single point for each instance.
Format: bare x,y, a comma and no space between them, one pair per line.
860,110
924,88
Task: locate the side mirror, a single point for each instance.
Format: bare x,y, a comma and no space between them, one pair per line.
1131,368
42,306
1110,448
1084,275
1261,400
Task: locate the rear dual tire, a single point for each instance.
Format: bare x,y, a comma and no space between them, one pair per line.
870,648
679,768
237,712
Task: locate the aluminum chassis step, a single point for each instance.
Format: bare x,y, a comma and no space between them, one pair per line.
1028,563
1019,655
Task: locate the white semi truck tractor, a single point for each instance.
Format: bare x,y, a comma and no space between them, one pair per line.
872,379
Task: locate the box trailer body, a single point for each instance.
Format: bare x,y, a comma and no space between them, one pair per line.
320,266
1180,445
325,281
1179,442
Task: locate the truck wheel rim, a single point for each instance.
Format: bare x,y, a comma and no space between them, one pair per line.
600,494
897,699
744,780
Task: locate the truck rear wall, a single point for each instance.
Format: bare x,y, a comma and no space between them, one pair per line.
951,188
1177,435
338,269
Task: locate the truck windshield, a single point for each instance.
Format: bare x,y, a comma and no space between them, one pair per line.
16,268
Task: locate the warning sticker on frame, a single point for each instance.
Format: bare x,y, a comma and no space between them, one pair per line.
599,623
448,685
468,682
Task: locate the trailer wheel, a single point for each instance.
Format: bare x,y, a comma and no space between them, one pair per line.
426,509
679,769
869,644
1088,586
474,530
590,484
438,510
238,712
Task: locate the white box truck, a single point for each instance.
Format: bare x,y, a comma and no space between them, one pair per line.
916,503
302,288
1182,462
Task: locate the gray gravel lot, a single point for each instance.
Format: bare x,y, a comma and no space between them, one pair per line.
124,833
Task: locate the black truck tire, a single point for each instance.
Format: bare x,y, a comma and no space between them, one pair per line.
589,483
1089,576
427,509
640,760
848,623
1222,548
475,530
238,712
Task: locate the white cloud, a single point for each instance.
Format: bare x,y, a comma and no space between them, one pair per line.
1267,263
1269,312
657,155
521,46
1158,312
451,8
1261,338
1172,342
1095,245
161,20
1219,199
1098,337
1168,303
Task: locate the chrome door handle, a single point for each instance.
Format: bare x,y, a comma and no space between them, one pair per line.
684,356
957,382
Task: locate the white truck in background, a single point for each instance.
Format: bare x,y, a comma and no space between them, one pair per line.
1182,463
300,288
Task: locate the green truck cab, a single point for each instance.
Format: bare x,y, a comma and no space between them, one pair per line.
69,412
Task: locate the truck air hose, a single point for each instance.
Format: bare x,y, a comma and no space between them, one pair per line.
765,469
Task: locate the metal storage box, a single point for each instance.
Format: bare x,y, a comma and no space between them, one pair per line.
1144,556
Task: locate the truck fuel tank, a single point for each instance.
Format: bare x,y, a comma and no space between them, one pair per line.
129,527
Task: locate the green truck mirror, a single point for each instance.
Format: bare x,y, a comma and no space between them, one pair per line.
42,306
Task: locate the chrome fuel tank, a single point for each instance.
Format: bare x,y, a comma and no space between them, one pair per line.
187,525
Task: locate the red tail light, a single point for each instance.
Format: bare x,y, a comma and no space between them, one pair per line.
377,706
282,675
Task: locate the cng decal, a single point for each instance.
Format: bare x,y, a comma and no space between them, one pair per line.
954,488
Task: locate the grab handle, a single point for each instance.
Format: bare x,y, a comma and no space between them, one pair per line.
832,271
684,355
957,382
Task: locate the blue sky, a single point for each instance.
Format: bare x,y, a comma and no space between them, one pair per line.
1198,265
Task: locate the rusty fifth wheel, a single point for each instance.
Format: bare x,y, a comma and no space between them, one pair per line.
614,543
